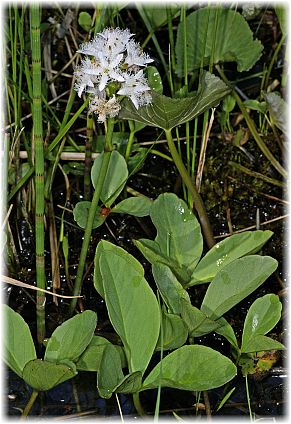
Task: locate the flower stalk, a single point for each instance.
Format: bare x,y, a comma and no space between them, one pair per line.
92,212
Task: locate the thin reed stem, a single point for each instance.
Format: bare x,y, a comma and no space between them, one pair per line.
39,167
252,127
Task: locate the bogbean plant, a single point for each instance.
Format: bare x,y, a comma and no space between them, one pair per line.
112,74
145,326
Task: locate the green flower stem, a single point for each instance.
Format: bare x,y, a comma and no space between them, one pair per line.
92,212
253,129
35,15
137,404
129,145
30,404
198,203
88,157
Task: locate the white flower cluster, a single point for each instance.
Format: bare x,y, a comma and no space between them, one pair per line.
113,67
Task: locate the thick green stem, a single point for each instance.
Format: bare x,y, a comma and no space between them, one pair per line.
253,129
39,168
138,406
30,404
92,213
198,203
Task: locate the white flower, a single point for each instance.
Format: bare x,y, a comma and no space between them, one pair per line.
109,69
135,56
115,40
135,87
112,57
85,76
104,108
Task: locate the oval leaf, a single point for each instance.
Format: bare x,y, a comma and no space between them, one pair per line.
85,21
171,290
44,375
231,34
91,357
197,322
70,339
18,344
178,231
130,384
175,332
81,212
261,318
167,113
226,251
136,206
194,368
115,178
154,79
235,282
110,372
132,306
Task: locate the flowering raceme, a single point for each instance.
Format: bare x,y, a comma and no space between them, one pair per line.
113,68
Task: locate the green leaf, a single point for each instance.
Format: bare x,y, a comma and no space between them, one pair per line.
226,397
85,21
194,368
228,103
44,375
136,206
226,330
70,339
278,110
91,357
157,16
256,105
175,332
154,79
81,212
178,231
260,343
225,252
119,141
132,306
282,15
151,251
261,318
110,372
220,31
131,383
115,178
18,344
167,113
196,321
235,282
169,287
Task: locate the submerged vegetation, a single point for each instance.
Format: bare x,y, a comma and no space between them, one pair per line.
143,226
